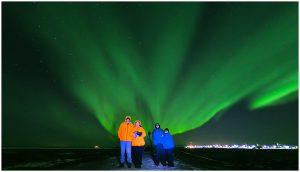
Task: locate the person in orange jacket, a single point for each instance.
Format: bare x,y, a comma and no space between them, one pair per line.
138,143
125,136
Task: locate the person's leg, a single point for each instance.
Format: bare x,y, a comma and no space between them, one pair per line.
134,154
167,157
156,155
162,155
122,147
159,153
141,154
170,157
141,149
128,152
138,158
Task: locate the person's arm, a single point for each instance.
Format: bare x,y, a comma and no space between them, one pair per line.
172,141
131,131
163,139
119,131
162,133
143,133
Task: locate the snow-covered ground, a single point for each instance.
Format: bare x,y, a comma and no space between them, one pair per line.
112,163
185,159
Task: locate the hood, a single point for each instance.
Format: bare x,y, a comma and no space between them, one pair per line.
138,121
128,117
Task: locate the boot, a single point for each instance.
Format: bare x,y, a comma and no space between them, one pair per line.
129,165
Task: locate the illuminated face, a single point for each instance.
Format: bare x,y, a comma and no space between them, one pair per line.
137,123
156,126
127,120
166,131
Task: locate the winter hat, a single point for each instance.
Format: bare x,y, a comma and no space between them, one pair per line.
139,122
127,117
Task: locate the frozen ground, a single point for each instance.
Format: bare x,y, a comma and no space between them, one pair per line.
112,163
185,159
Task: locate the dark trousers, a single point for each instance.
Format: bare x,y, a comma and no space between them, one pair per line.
169,157
159,154
137,154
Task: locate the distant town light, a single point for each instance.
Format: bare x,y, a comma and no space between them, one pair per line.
244,146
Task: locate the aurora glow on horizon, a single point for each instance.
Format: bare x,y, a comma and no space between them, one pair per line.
160,62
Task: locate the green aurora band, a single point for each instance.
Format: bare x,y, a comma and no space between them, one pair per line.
164,62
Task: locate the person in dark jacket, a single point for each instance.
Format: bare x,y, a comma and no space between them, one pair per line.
157,135
168,145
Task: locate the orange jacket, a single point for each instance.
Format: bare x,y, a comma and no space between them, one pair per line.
125,129
138,140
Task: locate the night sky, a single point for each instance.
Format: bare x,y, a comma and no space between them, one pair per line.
212,72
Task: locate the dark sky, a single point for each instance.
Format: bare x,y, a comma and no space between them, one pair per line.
277,124
212,72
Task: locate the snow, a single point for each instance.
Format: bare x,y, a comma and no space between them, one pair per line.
112,163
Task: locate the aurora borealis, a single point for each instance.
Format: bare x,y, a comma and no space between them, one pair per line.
71,71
